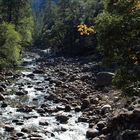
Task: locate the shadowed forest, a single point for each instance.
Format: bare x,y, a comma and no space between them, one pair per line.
69,69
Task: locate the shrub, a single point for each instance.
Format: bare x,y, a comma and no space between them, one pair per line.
9,45
119,40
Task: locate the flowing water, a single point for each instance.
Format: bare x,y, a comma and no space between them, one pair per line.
35,98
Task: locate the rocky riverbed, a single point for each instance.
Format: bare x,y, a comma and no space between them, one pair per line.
57,98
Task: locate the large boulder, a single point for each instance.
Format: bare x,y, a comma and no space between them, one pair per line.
104,78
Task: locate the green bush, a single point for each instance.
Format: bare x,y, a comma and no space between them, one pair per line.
9,45
119,40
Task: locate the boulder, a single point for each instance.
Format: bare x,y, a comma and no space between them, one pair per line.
9,128
92,133
104,78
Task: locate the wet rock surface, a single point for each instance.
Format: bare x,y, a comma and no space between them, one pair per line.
56,98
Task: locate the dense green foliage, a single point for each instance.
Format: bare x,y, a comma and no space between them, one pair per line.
119,40
61,20
16,28
9,45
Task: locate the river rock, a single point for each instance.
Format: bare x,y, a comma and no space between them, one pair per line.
84,95
20,93
39,88
105,108
67,108
37,71
9,128
1,97
25,109
9,73
85,104
3,105
85,77
2,89
25,130
56,82
43,123
31,75
51,97
4,86
62,118
40,110
77,109
86,68
20,134
136,111
92,133
94,100
104,78
63,73
101,125
82,119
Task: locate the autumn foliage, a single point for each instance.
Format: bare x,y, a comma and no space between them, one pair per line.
83,29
